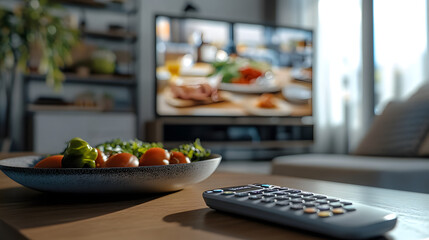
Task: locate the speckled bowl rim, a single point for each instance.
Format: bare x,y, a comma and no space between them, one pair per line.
146,179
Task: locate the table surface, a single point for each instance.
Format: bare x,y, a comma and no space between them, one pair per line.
183,214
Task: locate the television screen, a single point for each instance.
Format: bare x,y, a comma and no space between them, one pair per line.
207,67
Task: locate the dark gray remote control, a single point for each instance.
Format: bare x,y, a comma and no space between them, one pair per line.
305,210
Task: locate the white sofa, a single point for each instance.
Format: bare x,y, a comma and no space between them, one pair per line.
393,154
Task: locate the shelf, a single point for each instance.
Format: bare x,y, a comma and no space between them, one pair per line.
93,5
71,108
111,35
116,80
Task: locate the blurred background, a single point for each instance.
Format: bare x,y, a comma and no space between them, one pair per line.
93,69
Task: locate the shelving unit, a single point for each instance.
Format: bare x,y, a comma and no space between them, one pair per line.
93,122
118,80
112,35
93,5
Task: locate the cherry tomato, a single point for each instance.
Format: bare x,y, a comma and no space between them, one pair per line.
155,156
50,162
122,160
101,159
178,157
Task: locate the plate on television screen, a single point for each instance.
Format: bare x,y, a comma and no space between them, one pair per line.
281,108
297,94
249,88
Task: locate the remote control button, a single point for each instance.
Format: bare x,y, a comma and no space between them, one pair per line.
256,192
296,200
346,203
306,194
255,197
267,200
337,211
280,198
336,205
282,188
322,201
319,196
217,190
310,204
296,207
242,194
293,191
283,203
210,191
308,199
295,196
349,208
310,210
265,185
228,193
324,214
324,207
269,190
268,195
332,200
281,193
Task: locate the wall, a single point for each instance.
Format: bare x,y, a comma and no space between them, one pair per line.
298,13
237,10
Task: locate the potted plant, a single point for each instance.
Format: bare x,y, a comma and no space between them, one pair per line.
33,23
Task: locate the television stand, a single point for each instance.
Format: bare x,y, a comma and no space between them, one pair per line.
255,138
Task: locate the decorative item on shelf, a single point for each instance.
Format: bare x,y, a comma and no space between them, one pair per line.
81,55
86,99
124,60
83,71
103,61
51,101
107,102
30,25
113,27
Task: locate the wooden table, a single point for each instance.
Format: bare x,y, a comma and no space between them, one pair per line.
183,214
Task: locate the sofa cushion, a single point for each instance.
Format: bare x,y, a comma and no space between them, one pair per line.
410,174
421,94
424,147
398,131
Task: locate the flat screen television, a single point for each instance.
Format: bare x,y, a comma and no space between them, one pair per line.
207,67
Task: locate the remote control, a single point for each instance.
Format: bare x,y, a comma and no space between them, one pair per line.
305,210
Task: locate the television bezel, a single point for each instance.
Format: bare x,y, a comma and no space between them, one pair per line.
265,24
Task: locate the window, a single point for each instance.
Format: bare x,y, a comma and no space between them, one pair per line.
400,35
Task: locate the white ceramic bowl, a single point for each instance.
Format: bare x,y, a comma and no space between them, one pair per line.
148,179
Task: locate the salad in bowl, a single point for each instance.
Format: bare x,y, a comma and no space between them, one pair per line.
114,167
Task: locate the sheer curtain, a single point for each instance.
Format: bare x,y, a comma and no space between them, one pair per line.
400,42
337,87
341,105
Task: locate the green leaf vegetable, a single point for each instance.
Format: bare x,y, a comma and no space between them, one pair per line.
194,151
135,147
79,154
